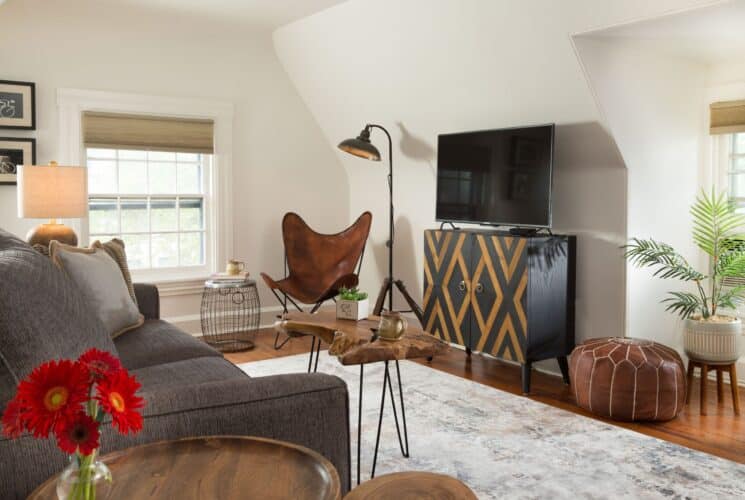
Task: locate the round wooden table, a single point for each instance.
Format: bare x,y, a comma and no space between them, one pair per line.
412,486
225,467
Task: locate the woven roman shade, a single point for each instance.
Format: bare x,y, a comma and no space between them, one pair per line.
120,131
727,117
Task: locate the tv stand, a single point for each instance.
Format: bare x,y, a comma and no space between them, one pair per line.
509,296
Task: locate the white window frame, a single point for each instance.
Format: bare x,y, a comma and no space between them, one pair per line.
72,103
204,195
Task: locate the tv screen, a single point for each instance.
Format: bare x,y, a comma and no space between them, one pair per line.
500,177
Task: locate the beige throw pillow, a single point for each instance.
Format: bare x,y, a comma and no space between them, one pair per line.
115,249
100,280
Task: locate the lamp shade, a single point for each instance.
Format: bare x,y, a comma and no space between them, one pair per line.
361,146
50,192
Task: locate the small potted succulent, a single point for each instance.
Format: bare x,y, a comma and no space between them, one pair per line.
352,304
709,335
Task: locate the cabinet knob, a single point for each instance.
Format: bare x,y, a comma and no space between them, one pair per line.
462,286
479,288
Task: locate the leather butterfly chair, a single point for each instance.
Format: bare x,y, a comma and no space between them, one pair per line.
318,265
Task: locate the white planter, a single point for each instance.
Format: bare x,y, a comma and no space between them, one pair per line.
352,309
713,341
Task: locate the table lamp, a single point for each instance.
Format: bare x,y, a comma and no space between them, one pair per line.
49,192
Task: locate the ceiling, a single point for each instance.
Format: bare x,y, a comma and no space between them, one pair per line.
267,14
710,35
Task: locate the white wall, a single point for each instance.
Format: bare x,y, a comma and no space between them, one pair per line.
653,105
281,161
728,72
429,67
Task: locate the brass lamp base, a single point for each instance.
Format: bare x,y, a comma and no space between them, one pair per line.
44,233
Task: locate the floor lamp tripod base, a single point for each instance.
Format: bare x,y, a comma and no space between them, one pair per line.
385,289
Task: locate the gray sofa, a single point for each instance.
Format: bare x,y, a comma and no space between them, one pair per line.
190,389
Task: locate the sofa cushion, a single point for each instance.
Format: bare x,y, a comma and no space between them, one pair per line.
156,342
179,376
43,315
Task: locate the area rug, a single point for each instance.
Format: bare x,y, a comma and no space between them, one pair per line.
507,446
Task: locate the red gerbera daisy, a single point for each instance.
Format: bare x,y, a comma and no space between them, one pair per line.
52,393
13,421
116,394
79,433
99,363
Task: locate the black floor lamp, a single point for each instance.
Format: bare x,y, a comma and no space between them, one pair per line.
362,147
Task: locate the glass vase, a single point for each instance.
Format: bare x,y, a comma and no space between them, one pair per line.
86,478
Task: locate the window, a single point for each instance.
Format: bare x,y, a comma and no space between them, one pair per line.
155,201
733,149
131,124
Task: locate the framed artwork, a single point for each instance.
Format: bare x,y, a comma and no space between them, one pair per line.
14,152
17,105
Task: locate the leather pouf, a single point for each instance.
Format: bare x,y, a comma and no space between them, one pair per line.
628,379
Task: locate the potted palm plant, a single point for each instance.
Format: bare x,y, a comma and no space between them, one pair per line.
709,335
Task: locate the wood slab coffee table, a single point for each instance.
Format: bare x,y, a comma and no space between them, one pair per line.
353,343
224,467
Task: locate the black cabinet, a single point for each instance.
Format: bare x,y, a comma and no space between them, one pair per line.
508,296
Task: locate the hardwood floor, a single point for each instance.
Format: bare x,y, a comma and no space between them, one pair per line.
720,432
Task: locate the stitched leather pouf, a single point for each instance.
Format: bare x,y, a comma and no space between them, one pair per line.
628,379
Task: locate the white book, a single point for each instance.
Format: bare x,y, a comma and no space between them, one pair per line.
242,276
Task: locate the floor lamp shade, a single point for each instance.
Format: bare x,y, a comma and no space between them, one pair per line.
51,192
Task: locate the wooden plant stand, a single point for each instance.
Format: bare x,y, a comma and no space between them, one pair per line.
705,367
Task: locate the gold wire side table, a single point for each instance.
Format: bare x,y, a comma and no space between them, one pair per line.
230,314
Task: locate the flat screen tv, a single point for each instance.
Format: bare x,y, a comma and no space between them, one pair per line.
498,177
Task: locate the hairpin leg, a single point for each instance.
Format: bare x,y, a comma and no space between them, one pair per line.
359,424
405,444
312,348
380,420
318,355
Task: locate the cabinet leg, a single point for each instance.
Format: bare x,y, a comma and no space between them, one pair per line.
526,377
564,367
